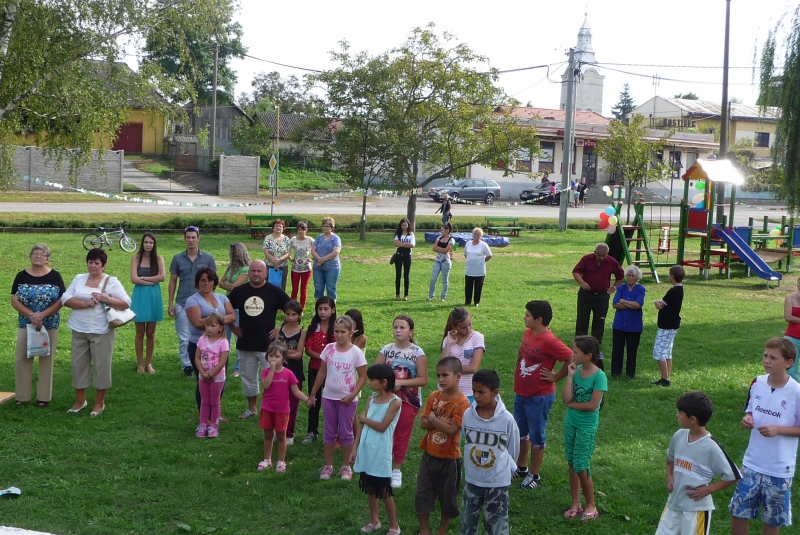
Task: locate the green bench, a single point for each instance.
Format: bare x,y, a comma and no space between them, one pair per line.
261,224
499,225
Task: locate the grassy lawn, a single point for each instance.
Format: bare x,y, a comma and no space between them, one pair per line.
139,469
303,180
151,164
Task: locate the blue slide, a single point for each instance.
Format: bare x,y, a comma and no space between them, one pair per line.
747,255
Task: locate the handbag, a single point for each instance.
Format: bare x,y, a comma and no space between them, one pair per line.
275,277
393,259
117,318
38,341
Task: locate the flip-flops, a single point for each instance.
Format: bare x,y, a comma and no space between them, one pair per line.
246,414
588,517
573,513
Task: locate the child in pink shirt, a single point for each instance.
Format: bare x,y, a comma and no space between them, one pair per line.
210,359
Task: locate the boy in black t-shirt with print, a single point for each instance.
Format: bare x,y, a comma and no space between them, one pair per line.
669,319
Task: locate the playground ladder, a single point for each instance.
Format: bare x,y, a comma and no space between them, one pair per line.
638,244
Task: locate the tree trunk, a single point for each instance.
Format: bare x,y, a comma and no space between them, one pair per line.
9,15
363,228
411,211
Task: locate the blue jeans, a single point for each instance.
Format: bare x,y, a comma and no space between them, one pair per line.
228,336
444,269
182,330
325,280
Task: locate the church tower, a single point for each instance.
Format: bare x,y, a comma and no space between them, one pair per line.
589,89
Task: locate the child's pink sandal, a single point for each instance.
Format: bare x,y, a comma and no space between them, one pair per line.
280,467
266,464
573,513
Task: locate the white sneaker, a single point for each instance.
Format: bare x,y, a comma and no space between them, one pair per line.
397,478
290,441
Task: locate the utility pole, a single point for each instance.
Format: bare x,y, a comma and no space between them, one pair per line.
278,152
724,116
214,105
566,169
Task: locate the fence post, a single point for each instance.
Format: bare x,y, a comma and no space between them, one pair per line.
220,174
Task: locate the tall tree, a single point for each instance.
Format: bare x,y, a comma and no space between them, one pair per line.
624,105
432,107
781,87
60,78
628,153
194,63
270,89
687,96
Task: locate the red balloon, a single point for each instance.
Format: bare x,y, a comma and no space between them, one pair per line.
603,224
604,216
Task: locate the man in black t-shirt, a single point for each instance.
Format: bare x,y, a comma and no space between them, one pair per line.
258,304
669,320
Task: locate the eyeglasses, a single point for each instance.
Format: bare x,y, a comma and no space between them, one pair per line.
327,226
40,255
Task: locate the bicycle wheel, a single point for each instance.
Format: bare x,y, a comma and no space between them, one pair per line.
127,244
92,241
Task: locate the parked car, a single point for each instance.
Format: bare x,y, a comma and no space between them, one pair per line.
470,189
433,193
539,193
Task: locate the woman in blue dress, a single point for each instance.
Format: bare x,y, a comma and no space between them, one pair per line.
147,274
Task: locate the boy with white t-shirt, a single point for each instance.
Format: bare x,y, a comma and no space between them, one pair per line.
773,417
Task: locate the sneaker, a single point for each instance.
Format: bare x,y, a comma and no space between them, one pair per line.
346,473
326,472
397,478
477,305
201,431
280,467
519,473
213,431
311,437
187,371
290,441
531,482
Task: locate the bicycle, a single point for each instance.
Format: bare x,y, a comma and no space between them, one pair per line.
98,241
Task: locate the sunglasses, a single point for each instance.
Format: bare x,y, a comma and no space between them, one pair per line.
192,228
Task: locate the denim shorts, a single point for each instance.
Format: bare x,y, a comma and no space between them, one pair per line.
756,491
531,414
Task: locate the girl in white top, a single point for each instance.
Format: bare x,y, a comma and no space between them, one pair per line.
461,342
477,253
404,241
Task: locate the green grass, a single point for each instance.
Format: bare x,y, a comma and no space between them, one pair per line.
298,179
139,469
151,164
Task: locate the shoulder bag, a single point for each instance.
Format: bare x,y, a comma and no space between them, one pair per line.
116,318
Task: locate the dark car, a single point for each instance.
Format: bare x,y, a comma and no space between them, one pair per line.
540,194
470,189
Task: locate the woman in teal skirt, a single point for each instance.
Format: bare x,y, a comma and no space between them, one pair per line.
147,274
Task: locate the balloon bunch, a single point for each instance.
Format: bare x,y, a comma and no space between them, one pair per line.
607,190
775,232
699,199
608,220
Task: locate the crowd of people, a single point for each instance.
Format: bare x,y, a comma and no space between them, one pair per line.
469,432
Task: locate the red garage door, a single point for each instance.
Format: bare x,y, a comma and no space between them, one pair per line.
129,138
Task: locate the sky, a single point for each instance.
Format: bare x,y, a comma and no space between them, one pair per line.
514,34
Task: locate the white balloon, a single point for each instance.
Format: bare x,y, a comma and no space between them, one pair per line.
697,198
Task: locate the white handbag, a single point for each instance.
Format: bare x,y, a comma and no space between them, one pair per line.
117,318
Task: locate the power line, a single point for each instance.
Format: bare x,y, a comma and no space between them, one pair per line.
282,64
661,78
672,66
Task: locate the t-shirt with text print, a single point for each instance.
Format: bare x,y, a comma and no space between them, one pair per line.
276,397
582,390
404,363
342,375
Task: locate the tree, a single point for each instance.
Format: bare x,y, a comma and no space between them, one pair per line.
628,153
60,78
195,64
430,106
782,87
269,89
252,140
624,106
687,96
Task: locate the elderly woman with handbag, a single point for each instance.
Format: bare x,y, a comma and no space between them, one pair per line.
36,296
94,297
276,254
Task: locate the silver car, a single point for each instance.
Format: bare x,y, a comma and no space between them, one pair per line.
471,189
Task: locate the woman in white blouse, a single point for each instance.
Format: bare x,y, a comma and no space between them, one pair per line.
404,241
477,253
92,340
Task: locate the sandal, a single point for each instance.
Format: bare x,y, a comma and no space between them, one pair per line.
266,464
41,404
20,403
280,467
588,517
393,531
139,369
150,369
369,528
246,414
573,513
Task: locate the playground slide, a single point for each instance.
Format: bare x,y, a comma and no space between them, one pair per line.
747,255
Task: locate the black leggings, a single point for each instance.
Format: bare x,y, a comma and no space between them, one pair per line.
469,282
403,261
313,412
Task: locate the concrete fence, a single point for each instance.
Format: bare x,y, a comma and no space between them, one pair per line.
99,175
238,175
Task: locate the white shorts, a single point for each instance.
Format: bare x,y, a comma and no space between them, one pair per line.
662,348
684,523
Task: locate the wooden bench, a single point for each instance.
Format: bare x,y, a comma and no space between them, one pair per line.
494,226
261,224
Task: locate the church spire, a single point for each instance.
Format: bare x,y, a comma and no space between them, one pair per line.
584,52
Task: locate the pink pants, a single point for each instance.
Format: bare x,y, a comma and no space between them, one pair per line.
210,394
300,280
402,433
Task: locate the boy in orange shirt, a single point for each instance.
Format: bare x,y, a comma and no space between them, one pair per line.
439,475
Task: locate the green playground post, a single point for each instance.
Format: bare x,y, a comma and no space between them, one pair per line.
709,205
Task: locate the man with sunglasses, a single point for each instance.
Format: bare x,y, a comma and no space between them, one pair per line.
182,270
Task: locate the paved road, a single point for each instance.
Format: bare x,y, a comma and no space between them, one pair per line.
351,205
